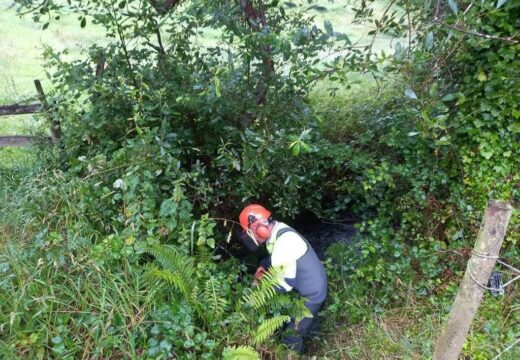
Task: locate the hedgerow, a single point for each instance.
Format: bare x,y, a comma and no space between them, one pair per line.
164,140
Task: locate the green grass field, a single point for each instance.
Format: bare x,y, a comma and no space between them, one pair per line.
22,43
21,46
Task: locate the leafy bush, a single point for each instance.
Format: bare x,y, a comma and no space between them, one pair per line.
163,137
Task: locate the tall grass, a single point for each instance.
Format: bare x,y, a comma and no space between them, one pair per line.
69,307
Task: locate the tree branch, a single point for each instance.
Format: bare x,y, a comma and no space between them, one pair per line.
510,39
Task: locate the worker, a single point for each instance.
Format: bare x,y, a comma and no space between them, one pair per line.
302,270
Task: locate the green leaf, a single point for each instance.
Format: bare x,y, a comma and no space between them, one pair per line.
217,86
457,235
328,27
57,339
514,127
448,97
453,6
478,123
428,41
296,149
168,208
398,51
486,153
122,4
83,22
240,353
445,140
410,94
344,37
481,76
268,327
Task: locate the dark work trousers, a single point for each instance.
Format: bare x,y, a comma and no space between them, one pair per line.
295,333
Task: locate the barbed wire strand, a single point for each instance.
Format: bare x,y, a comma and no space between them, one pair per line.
509,266
484,255
511,281
479,284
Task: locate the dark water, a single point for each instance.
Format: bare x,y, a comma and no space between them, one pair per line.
321,235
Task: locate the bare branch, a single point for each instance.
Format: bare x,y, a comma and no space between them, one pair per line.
510,39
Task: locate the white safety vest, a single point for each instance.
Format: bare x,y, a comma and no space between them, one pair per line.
285,252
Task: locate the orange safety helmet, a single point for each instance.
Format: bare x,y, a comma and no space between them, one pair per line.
255,218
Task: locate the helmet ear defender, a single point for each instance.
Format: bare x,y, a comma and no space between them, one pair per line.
263,231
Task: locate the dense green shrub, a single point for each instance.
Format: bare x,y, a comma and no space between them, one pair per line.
422,166
171,137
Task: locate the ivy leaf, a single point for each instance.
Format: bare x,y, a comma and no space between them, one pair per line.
514,127
486,152
453,6
410,94
328,27
83,22
122,4
500,3
445,140
481,76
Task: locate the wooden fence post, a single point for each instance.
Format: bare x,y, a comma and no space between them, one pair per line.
55,125
478,271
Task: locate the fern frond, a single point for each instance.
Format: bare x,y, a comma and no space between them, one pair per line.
265,291
171,260
203,255
268,327
214,298
194,296
171,278
240,353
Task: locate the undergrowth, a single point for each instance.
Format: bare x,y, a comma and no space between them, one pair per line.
118,241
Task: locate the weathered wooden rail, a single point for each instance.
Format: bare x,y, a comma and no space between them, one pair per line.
21,109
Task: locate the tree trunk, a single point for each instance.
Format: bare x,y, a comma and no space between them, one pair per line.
478,271
55,125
